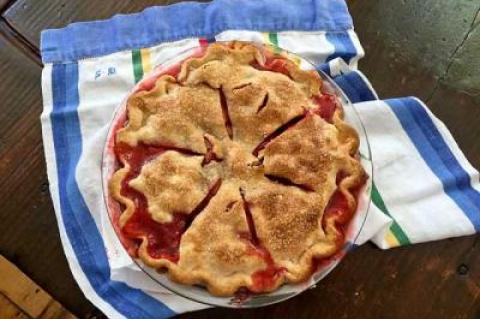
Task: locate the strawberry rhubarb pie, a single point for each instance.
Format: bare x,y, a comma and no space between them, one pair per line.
235,171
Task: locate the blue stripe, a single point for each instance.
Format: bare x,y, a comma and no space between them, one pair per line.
190,19
438,156
343,46
352,84
80,227
325,67
355,87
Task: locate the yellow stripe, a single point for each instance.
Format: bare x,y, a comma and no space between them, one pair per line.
146,60
266,38
391,239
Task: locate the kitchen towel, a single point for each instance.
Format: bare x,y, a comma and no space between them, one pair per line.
423,187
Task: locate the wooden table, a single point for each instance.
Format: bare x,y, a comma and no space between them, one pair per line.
427,48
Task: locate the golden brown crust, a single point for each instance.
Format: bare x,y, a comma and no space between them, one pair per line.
115,187
212,251
213,116
288,222
172,183
307,154
182,116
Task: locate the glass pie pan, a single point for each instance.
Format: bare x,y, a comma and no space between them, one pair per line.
248,300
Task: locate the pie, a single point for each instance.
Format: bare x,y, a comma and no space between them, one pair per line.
235,171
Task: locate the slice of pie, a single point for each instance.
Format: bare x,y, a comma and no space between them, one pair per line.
236,171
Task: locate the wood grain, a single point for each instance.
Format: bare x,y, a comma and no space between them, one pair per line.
409,43
15,40
28,228
18,291
409,46
9,310
4,4
461,114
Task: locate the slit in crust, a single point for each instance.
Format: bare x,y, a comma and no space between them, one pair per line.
285,181
276,133
226,116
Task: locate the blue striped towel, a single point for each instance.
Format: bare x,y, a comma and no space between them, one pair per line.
424,188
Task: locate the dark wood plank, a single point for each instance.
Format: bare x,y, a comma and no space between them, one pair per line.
409,43
28,229
462,74
4,4
15,40
29,17
460,111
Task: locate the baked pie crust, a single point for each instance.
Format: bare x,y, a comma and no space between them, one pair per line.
236,171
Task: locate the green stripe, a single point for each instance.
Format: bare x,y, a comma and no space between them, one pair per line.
395,228
273,38
137,65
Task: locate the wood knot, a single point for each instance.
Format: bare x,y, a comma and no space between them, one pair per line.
462,269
